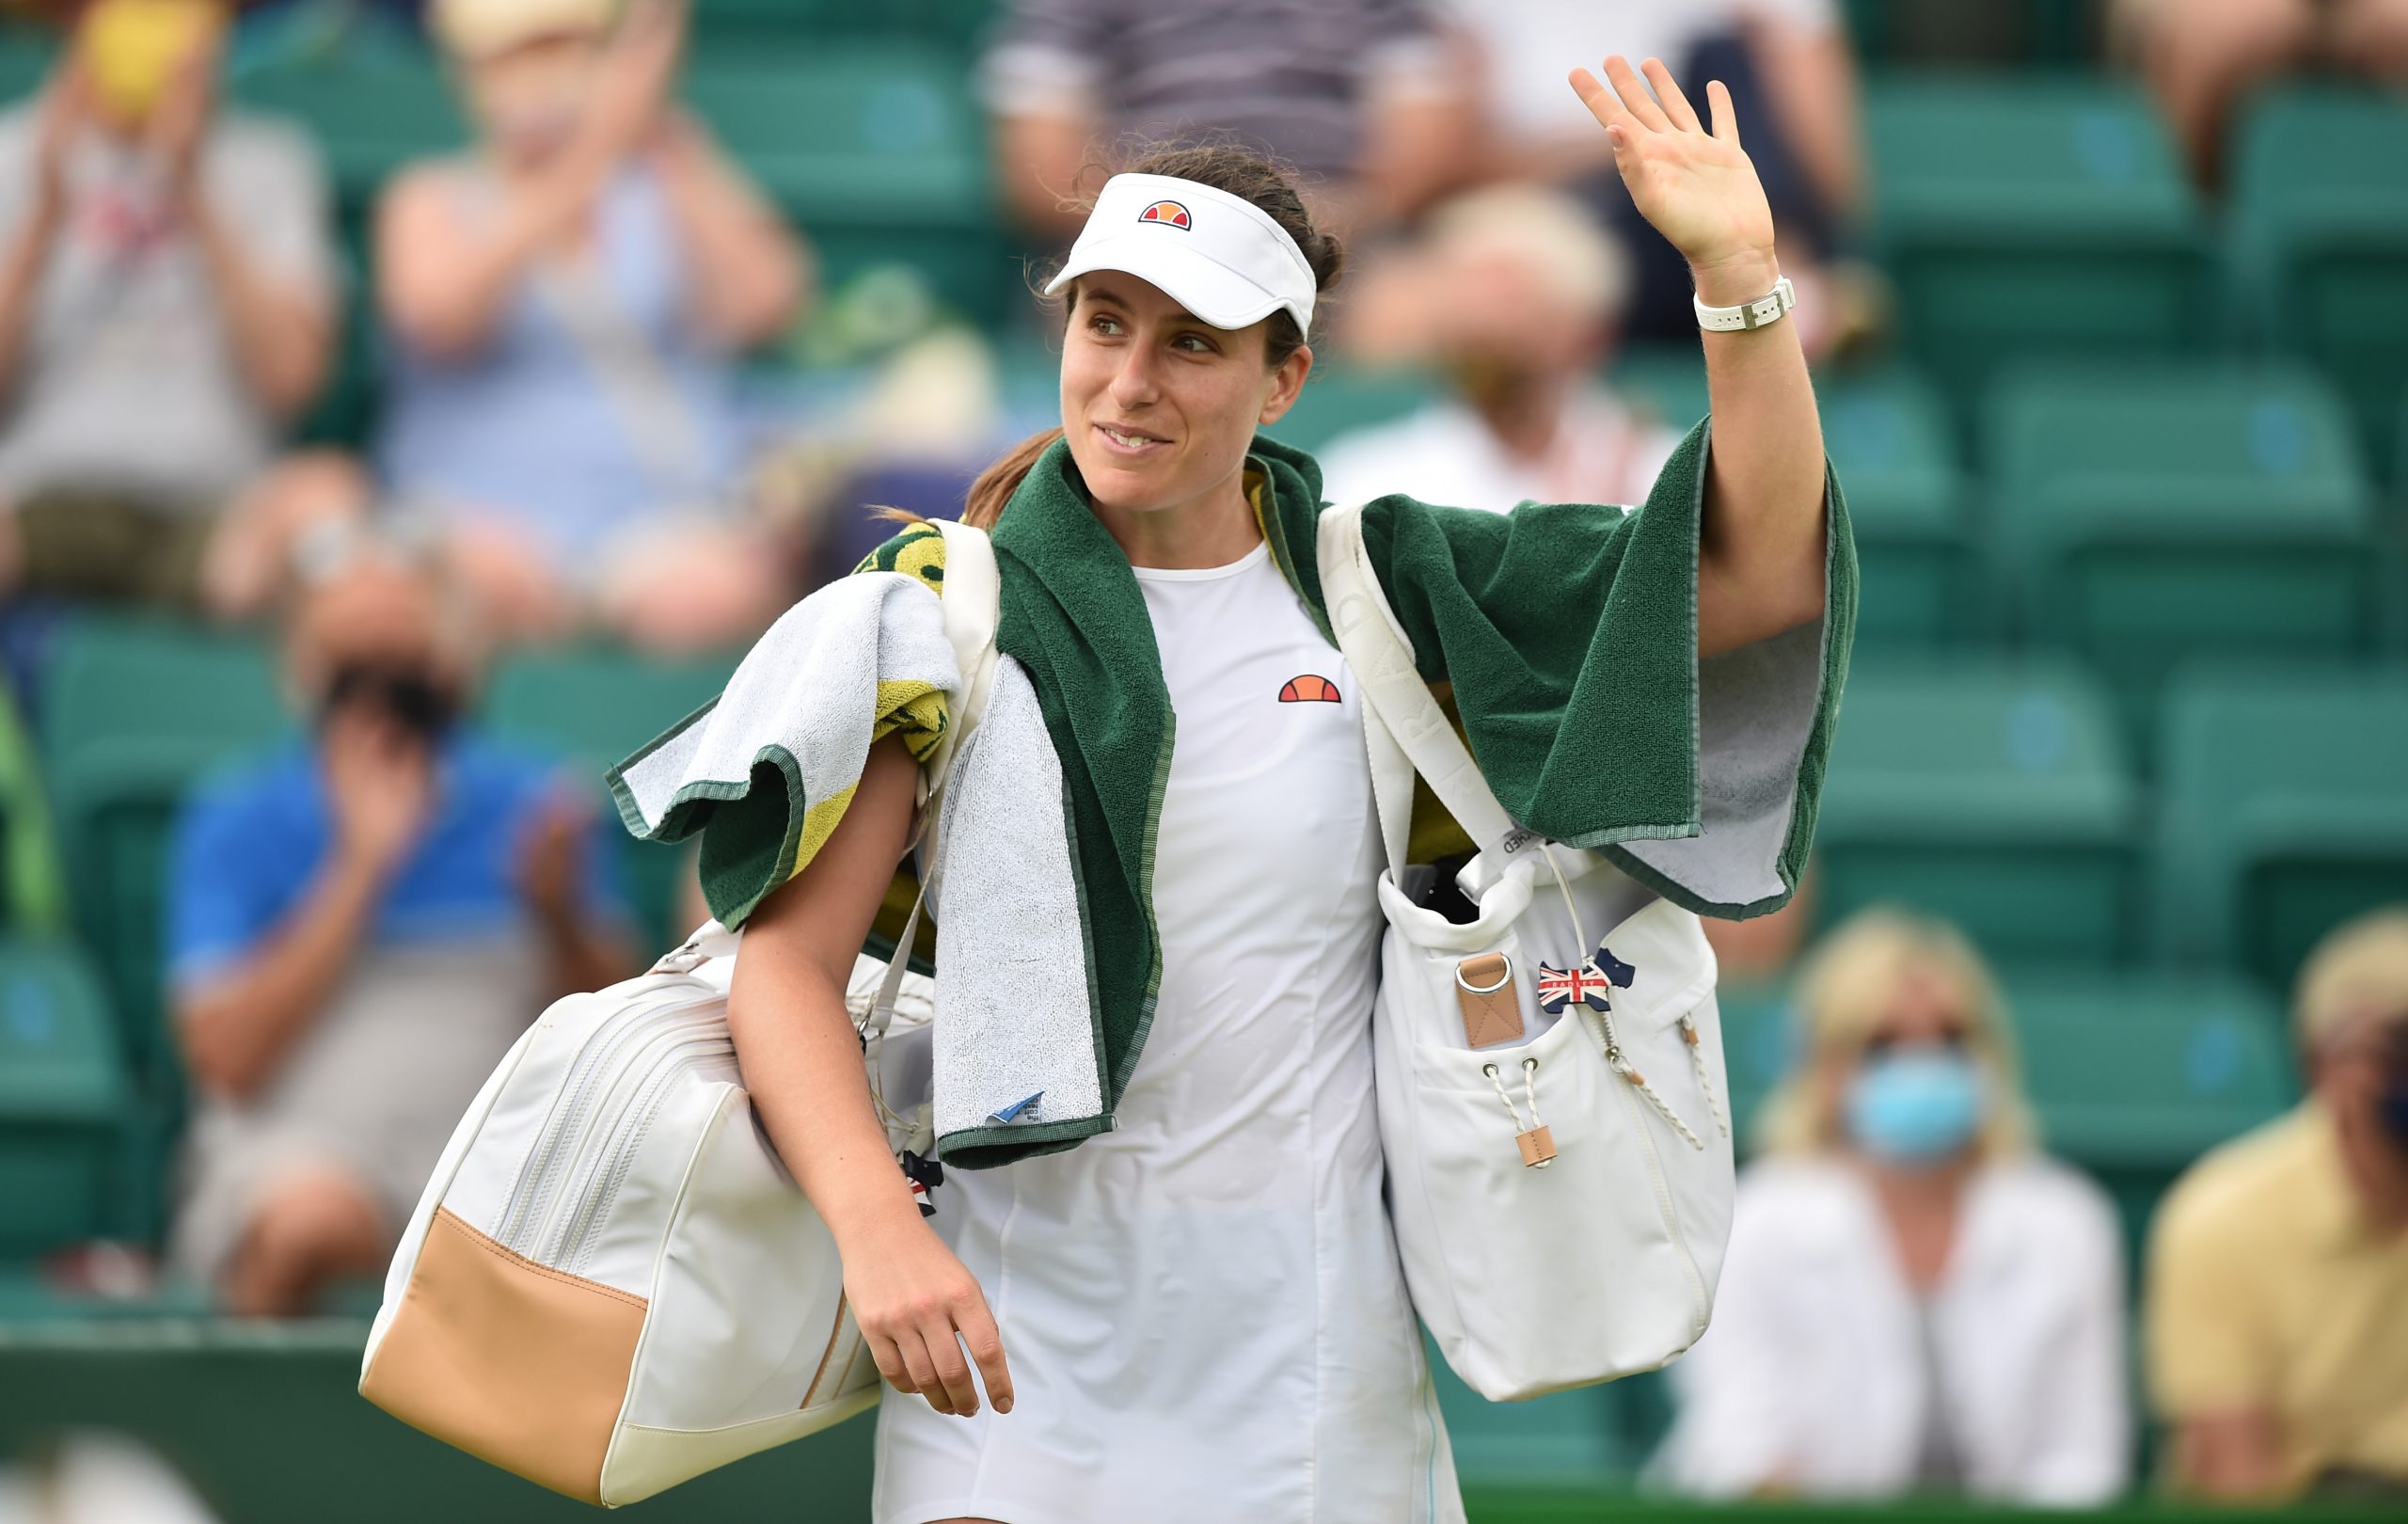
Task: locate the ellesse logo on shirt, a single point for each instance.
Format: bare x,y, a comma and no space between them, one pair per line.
1309,689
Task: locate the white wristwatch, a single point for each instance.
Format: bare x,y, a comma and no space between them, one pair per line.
1763,309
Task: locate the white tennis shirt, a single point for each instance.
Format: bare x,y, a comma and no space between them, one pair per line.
1203,1310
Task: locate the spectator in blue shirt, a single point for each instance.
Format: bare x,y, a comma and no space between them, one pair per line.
359,927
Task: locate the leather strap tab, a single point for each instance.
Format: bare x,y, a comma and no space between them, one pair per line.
1491,1002
1537,1146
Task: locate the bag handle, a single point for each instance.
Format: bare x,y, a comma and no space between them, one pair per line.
1400,716
972,602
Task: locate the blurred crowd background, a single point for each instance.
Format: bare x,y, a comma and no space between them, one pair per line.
408,408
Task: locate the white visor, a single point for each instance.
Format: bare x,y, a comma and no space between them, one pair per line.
1219,256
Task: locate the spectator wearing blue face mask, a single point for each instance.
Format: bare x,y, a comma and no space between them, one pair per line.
1916,1301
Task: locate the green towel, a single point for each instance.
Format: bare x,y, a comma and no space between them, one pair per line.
1568,635
1567,632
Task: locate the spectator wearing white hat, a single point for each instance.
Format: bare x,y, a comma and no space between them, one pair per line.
566,302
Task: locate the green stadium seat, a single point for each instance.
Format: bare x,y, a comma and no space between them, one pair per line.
2135,1076
1337,401
134,710
2320,238
1982,32
1889,436
64,1096
877,150
2282,812
27,54
2031,215
1890,439
370,113
596,706
729,24
1760,1045
1666,379
2156,513
1995,794
1566,1439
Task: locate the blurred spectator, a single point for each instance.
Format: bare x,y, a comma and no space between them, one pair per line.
2199,58
1915,1299
2277,1298
359,927
1360,96
1514,293
566,303
168,306
1792,80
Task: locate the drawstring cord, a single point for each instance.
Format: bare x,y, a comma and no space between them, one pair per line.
1614,1056
1705,1080
1529,1093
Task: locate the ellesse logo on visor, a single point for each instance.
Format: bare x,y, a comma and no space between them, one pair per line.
1169,214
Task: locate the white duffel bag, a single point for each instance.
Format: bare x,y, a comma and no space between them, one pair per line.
611,1284
1561,1181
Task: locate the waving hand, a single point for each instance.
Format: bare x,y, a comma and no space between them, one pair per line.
1695,187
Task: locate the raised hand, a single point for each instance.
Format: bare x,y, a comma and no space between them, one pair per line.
380,782
639,72
1695,187
551,855
65,104
179,127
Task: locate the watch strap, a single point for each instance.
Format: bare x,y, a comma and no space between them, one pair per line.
1767,309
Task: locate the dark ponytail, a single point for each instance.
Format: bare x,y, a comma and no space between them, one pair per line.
1240,172
997,482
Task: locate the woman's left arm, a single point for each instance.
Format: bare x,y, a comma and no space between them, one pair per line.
1762,544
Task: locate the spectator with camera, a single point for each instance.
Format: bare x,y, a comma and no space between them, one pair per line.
359,927
2277,1308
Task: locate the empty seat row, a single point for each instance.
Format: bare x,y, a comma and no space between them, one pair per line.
2027,215
2000,794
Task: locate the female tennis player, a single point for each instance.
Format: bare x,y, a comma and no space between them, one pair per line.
1181,1296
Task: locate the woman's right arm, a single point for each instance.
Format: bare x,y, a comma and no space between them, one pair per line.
916,1303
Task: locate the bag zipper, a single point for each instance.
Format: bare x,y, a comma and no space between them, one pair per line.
575,1245
549,1154
1619,1063
580,1162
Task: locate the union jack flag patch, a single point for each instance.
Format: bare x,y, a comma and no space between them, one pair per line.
1560,986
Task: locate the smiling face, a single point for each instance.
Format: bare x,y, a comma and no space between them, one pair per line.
1159,405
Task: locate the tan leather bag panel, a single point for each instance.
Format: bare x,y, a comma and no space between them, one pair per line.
517,1363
